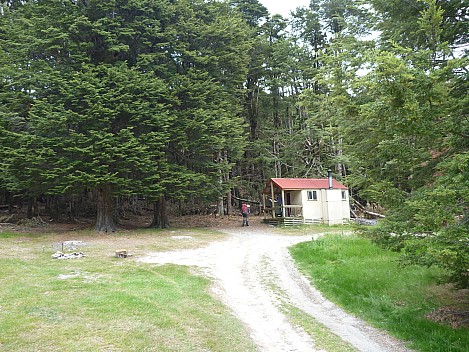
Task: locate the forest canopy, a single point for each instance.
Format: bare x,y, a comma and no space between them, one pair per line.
195,103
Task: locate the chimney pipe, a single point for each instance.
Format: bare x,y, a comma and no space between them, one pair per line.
329,177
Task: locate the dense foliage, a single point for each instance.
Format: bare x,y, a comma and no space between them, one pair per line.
120,98
200,102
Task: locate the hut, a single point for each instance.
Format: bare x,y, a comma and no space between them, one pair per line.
291,201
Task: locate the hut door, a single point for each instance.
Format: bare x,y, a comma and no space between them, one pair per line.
288,202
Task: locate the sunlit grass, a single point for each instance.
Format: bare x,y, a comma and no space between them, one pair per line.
369,282
324,339
313,229
102,303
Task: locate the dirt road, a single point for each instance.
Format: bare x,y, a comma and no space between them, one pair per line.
254,275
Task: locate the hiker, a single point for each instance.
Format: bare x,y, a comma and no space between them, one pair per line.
245,210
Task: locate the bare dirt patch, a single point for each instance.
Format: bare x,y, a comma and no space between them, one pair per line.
45,225
456,314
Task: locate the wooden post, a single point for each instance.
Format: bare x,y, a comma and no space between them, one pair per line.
263,203
283,204
273,201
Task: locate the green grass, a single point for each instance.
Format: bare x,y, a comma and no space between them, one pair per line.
8,235
368,281
313,229
101,303
324,339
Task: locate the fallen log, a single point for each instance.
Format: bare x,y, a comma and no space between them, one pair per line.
362,209
246,200
374,214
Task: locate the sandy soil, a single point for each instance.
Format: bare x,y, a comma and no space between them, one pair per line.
254,275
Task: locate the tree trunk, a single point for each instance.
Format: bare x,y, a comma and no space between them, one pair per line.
31,207
276,153
55,208
9,199
221,206
227,181
228,202
29,213
35,207
105,215
160,218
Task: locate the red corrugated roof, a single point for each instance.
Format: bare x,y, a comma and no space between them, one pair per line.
302,183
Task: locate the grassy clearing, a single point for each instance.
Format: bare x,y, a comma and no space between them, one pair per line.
368,282
101,303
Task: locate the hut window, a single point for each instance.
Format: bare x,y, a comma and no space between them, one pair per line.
312,195
344,195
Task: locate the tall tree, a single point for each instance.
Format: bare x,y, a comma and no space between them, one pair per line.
110,131
402,141
396,22
209,59
117,96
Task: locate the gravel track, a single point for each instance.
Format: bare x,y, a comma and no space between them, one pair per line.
254,275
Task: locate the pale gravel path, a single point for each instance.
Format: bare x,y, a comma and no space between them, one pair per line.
254,274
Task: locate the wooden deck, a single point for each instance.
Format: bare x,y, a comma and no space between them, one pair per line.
279,221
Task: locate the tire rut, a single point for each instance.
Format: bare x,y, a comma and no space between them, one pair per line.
253,274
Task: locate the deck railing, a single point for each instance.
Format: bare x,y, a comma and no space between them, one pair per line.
287,211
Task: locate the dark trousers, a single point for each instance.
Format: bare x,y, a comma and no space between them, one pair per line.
245,219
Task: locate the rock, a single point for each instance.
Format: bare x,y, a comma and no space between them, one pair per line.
366,222
57,255
74,255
